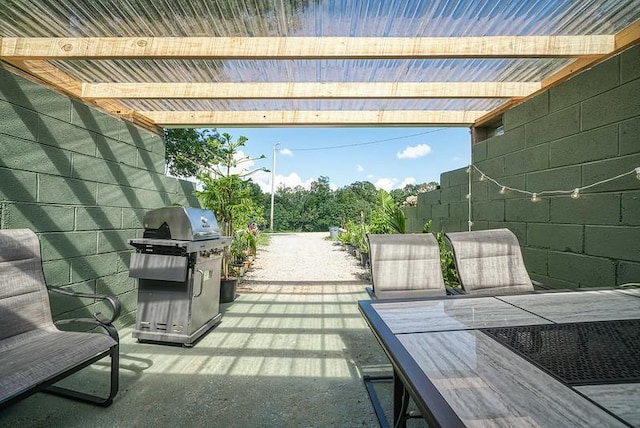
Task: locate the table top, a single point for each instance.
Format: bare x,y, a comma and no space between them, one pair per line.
442,349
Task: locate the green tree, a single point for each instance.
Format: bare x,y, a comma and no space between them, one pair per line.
189,150
227,189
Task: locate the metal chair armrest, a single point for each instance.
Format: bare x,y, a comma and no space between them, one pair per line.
112,301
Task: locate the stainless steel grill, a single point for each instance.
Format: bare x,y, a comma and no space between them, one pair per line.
177,263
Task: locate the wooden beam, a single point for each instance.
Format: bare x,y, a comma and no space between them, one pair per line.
628,36
304,47
309,90
311,118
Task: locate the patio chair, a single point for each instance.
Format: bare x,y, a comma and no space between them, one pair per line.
489,262
402,266
405,266
34,353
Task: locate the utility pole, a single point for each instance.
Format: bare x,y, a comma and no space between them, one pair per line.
273,181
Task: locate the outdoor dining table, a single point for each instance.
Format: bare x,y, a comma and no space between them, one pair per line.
555,359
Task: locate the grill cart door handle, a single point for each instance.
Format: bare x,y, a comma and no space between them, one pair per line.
201,272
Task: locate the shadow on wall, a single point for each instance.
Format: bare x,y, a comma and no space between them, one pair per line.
79,187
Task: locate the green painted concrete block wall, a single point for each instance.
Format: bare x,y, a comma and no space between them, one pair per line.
82,180
582,131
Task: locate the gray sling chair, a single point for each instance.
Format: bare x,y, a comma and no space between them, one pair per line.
405,265
34,353
402,266
489,262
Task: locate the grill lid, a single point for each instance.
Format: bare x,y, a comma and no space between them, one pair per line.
180,223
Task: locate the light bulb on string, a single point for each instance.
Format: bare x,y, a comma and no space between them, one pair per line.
638,173
534,197
576,193
483,177
468,196
503,190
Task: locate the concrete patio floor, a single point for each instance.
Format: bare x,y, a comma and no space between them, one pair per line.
289,353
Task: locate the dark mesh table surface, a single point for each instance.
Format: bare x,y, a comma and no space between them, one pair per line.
588,353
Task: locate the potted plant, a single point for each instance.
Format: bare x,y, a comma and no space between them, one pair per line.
227,191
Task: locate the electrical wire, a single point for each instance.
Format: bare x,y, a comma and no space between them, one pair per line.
369,142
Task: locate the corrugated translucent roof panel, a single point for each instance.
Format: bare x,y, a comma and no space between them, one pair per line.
422,18
364,18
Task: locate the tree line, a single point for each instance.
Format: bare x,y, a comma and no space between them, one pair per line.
296,209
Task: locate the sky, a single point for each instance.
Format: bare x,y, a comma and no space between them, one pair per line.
388,157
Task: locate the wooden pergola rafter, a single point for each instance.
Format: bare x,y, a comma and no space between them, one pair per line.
34,56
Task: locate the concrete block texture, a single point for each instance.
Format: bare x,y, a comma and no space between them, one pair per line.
61,134
94,266
629,64
62,245
67,191
615,242
599,79
595,145
115,240
117,151
585,271
90,168
98,218
631,208
37,217
553,126
588,209
18,154
18,122
458,177
595,172
488,210
94,120
524,210
526,111
527,160
142,139
536,261
451,194
565,178
17,185
57,272
21,92
559,237
510,141
628,272
479,150
612,106
630,136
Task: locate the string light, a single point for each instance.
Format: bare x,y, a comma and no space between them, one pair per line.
535,196
468,196
575,194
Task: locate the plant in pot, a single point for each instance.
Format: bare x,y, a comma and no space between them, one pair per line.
227,192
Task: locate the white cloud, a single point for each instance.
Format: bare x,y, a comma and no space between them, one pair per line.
333,186
456,158
360,168
371,176
412,152
408,180
263,179
385,183
286,152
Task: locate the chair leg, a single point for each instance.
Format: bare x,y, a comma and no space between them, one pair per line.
89,398
369,380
